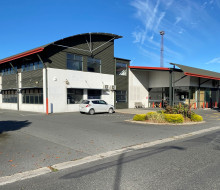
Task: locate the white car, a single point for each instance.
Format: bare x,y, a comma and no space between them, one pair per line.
93,106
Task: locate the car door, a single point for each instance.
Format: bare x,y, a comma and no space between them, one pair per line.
103,106
96,106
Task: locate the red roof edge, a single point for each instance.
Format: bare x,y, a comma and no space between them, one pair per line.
150,68
21,55
201,76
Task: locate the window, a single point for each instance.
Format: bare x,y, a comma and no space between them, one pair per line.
74,62
121,96
32,66
102,102
94,94
9,71
74,96
9,96
32,96
121,69
94,65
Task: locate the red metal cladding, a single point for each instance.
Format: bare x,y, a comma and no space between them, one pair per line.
150,68
201,76
47,110
21,55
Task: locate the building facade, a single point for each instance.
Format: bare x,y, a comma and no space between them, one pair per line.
57,76
158,87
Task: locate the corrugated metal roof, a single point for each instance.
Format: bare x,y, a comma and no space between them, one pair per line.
192,71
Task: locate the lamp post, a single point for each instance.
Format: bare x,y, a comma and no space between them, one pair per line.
161,50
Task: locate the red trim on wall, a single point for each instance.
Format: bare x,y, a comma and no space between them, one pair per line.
201,76
21,55
150,68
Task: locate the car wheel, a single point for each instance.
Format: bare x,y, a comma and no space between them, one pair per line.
91,111
110,110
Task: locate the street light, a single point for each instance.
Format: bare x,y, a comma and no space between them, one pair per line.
161,50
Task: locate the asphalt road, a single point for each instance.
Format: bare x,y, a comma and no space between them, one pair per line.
189,164
30,140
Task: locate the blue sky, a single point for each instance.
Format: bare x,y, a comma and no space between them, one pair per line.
191,28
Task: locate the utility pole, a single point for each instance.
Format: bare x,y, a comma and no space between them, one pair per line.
161,50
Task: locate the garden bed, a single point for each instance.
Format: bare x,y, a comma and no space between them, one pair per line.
153,123
181,115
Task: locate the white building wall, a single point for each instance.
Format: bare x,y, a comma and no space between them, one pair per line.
138,85
158,79
59,80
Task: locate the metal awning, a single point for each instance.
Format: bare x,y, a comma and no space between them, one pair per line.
149,68
195,72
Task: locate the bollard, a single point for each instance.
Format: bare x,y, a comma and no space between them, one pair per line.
153,105
207,104
160,105
194,105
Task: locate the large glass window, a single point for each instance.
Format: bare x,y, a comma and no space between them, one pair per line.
74,62
74,96
9,96
94,65
121,69
32,66
94,94
121,95
32,96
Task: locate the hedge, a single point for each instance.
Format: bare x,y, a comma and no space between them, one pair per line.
196,117
139,117
174,118
155,117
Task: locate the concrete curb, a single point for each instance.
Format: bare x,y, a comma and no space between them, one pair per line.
151,123
33,173
24,175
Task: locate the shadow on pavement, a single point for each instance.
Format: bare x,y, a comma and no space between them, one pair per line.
119,164
9,125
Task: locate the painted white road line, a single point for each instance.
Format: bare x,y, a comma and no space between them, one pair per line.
33,173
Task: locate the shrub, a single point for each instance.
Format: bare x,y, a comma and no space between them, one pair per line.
179,109
155,117
196,117
139,117
174,118
161,111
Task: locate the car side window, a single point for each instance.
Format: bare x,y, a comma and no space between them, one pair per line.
102,102
95,102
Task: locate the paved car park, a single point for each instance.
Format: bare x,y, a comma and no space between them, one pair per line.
33,140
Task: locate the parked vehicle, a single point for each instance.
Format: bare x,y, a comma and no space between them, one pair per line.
93,106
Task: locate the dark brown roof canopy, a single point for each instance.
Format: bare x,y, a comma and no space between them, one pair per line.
191,71
41,48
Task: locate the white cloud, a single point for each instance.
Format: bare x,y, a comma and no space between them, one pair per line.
178,19
215,60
